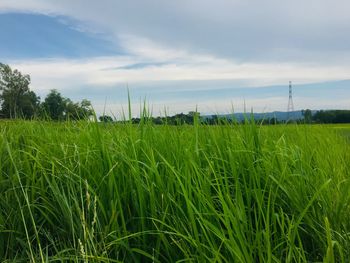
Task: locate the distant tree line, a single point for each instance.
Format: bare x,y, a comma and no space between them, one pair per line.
322,116
18,101
177,119
189,119
331,116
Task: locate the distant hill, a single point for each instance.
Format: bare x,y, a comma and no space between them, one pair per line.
279,115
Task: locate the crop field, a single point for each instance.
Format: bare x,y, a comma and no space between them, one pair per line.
94,192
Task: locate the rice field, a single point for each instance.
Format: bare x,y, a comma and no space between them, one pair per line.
89,192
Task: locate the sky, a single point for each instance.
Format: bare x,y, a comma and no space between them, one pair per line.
214,56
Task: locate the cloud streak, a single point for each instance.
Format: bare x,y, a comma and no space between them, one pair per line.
246,44
245,30
108,71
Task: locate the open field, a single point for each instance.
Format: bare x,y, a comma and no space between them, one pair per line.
87,192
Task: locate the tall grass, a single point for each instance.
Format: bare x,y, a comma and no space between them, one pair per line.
88,192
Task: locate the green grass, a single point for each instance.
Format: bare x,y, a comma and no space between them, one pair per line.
87,192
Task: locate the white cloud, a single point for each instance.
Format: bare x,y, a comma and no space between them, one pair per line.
178,65
246,31
255,42
101,73
254,30
35,6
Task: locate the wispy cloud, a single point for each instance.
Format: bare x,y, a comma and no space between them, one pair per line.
134,69
246,44
244,30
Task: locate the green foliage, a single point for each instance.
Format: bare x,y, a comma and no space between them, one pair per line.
307,115
332,116
57,107
105,118
86,192
77,111
177,119
17,101
54,105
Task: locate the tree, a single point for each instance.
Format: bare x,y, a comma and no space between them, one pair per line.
70,109
29,104
16,98
77,111
105,118
332,116
58,107
54,105
18,101
86,110
307,115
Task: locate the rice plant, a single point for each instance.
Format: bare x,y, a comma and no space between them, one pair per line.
92,192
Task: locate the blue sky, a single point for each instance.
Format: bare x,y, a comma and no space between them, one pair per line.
32,36
180,55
